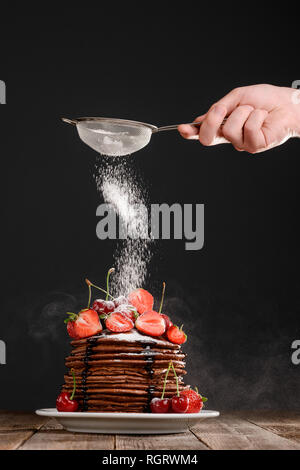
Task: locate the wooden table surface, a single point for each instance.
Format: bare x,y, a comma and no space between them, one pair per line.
239,431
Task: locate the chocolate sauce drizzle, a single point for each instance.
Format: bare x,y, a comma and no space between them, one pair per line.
149,359
88,352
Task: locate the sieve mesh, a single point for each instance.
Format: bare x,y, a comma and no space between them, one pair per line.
114,139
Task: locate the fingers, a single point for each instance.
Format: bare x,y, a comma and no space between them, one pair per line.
254,139
276,128
190,132
233,129
232,99
255,120
210,127
243,128
209,133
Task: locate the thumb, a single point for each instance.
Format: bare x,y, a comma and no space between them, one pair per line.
190,132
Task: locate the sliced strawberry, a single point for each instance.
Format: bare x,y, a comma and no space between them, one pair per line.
195,401
118,322
176,335
70,329
129,311
142,300
167,321
85,324
151,323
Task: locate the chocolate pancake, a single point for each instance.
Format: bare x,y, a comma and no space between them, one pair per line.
122,372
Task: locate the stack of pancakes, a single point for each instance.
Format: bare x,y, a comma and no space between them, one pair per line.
122,372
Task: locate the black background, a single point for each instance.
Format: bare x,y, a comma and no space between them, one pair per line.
238,296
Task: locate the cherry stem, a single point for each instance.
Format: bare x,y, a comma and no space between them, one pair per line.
111,270
74,384
90,294
165,382
176,377
162,297
89,283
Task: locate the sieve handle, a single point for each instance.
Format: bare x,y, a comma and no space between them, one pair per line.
175,126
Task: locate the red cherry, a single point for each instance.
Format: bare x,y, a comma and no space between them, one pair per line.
159,405
162,405
103,306
180,404
64,403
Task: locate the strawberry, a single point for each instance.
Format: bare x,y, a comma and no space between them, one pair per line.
151,323
84,324
142,300
118,322
195,400
121,300
167,321
176,335
71,329
128,310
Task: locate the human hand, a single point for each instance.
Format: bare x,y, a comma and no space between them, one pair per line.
258,117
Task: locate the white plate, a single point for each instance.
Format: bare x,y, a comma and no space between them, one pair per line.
127,423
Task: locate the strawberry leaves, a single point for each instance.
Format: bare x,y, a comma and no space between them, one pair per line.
72,317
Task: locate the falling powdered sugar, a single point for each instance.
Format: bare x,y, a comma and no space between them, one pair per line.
119,186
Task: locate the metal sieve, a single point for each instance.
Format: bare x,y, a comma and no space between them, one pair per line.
116,137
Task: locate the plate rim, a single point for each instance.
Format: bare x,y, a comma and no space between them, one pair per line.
52,412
